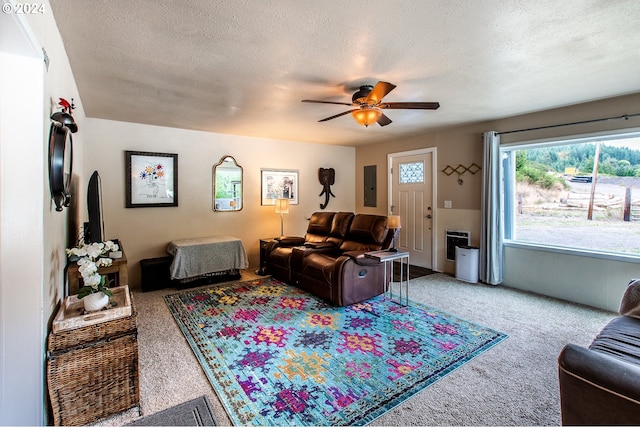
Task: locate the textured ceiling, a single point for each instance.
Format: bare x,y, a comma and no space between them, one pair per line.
242,67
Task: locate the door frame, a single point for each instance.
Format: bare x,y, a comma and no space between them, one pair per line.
434,190
24,193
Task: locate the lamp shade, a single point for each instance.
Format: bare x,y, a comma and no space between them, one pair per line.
366,115
282,206
393,221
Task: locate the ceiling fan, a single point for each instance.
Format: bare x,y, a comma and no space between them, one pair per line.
368,100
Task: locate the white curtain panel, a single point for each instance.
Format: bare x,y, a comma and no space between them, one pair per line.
492,231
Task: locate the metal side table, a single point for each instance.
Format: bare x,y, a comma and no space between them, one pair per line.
388,258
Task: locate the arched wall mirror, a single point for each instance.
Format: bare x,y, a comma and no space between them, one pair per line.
227,185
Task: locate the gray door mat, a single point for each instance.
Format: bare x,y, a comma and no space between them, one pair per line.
196,412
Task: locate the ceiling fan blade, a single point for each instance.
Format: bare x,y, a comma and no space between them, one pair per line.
410,105
384,120
380,90
327,102
337,115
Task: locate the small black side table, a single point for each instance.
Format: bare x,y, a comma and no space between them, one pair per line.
262,271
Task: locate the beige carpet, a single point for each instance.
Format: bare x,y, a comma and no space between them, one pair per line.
515,383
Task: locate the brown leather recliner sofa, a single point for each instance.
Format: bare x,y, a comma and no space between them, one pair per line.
329,260
600,385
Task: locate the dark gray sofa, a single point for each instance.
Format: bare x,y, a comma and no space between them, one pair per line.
600,385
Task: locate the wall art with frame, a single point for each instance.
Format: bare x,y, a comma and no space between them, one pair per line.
279,184
151,179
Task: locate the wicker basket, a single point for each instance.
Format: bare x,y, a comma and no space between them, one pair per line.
93,372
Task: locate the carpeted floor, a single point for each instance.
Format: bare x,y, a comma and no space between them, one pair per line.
513,384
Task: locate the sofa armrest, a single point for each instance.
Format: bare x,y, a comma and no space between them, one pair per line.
320,245
596,388
299,253
290,240
282,242
359,258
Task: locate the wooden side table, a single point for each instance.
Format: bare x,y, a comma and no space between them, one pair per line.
262,271
117,273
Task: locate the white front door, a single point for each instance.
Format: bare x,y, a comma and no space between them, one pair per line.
411,197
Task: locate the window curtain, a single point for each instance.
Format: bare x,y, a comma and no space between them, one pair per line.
492,227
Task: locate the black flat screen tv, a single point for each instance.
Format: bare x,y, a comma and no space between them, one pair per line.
94,228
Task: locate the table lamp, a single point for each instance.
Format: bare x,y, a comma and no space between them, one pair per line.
282,207
393,223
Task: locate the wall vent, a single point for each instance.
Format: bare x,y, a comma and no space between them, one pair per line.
456,238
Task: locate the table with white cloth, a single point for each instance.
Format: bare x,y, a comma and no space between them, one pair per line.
193,258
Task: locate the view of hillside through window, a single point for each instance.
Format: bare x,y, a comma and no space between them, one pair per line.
557,202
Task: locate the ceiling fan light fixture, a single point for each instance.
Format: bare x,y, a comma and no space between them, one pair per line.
367,105
360,96
366,115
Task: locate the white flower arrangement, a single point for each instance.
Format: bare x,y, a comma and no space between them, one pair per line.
89,259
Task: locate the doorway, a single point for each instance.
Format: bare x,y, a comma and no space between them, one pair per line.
412,195
23,326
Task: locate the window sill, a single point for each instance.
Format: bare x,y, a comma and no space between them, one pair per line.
573,251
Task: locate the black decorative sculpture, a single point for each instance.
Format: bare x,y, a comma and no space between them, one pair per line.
327,178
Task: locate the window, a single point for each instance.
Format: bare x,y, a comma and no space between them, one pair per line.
411,173
548,190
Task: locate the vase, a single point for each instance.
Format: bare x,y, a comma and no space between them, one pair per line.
96,301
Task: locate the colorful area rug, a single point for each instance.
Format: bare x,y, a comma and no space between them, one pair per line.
278,356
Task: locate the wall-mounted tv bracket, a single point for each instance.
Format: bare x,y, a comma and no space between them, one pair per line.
460,170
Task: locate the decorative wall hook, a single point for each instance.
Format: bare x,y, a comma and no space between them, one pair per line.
460,170
327,178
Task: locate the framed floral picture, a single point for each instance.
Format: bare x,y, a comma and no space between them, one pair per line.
279,184
151,179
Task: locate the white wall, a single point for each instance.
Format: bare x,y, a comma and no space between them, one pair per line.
21,255
591,281
145,232
58,226
22,168
33,236
454,146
